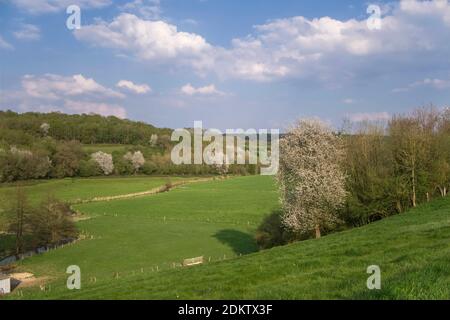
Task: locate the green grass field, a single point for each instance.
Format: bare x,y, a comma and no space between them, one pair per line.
76,189
87,188
218,218
215,219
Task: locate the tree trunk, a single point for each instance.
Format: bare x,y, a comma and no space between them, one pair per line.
428,197
19,221
317,232
399,206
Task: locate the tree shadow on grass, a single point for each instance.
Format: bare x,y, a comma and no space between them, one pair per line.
240,242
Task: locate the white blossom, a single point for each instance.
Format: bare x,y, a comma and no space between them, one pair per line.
105,161
137,159
153,140
45,127
311,180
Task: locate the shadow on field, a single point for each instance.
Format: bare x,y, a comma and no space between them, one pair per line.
240,242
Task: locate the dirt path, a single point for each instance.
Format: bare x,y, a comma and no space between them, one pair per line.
160,189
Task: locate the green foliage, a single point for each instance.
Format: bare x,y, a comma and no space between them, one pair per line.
66,159
395,167
49,223
271,232
56,145
89,168
18,164
88,129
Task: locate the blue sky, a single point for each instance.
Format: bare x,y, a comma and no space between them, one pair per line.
251,64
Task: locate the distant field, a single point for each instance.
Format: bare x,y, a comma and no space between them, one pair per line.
216,219
87,188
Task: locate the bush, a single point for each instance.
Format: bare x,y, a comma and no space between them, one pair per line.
149,168
270,232
89,168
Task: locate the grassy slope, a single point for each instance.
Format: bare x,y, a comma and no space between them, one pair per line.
412,250
213,219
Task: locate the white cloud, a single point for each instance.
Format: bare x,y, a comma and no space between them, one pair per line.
438,8
348,101
435,83
53,87
28,32
189,90
148,9
52,6
136,88
375,116
5,45
324,49
75,94
147,40
103,109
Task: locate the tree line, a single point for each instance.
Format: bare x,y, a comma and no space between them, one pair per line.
368,171
42,146
22,129
30,227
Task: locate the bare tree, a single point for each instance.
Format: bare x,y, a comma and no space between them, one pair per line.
19,212
310,177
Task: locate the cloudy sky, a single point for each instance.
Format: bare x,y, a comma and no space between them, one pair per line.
229,63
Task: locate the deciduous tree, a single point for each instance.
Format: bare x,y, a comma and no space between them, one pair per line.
311,178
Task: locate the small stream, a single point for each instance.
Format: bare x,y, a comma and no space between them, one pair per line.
14,258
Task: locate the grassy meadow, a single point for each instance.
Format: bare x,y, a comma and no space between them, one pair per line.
141,238
75,189
216,219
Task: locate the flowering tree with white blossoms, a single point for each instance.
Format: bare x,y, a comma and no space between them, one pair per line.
45,127
153,140
310,177
137,159
104,161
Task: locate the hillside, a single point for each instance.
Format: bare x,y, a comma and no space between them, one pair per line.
411,250
25,128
